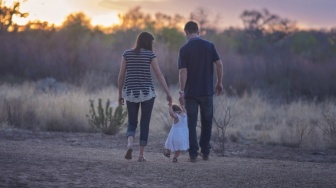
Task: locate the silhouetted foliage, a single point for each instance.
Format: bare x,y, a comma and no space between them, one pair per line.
258,24
7,14
269,54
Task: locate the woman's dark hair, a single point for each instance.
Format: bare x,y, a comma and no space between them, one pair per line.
191,27
176,108
145,41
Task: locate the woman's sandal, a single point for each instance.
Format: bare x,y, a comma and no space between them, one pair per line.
142,159
167,154
174,160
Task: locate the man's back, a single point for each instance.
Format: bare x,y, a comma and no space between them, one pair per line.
198,56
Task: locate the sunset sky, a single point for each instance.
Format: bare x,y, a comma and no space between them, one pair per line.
307,13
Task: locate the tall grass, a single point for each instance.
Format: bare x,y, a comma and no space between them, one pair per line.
297,124
50,108
62,107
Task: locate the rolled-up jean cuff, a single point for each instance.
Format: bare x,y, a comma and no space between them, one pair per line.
130,134
143,143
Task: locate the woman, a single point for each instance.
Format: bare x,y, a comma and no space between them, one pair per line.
136,87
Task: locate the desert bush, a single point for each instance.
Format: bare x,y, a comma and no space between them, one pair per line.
104,120
329,128
14,112
300,133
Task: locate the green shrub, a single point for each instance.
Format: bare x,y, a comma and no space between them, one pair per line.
104,120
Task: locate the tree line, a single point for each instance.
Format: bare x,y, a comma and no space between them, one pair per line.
269,54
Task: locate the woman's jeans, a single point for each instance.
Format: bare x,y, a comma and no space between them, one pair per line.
146,112
205,103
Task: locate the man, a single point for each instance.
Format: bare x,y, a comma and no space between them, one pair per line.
196,74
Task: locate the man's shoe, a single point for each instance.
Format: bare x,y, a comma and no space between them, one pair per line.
192,159
204,157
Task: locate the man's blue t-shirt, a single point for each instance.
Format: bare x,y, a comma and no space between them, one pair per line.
198,56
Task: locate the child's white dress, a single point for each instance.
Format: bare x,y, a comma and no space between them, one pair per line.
178,137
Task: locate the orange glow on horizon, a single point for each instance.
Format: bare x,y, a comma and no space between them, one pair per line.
105,12
55,12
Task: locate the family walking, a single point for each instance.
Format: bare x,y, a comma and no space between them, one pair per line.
196,61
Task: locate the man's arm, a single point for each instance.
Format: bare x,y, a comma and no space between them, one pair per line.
182,79
219,72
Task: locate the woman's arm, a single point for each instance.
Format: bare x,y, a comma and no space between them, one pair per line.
121,78
161,79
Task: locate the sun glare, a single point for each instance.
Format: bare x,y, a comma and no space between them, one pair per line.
55,12
106,20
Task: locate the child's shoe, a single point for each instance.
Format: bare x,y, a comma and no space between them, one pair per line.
142,159
166,154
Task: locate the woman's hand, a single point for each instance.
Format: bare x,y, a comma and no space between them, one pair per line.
169,99
121,101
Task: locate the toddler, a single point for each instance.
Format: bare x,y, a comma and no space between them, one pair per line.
178,137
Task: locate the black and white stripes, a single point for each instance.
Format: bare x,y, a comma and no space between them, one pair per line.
138,85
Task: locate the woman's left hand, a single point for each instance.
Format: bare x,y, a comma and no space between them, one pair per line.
169,99
121,101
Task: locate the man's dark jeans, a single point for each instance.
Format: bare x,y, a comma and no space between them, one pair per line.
205,103
146,112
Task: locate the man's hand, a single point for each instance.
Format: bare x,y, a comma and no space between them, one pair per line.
219,89
181,99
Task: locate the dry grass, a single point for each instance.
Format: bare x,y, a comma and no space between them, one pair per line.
298,124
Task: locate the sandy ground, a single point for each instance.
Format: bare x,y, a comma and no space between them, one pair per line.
44,159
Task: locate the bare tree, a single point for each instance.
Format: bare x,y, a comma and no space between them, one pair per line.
328,127
206,21
224,116
300,132
259,23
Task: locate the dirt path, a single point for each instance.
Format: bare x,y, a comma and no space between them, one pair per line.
54,162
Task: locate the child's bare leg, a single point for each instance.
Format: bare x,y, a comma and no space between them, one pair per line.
176,154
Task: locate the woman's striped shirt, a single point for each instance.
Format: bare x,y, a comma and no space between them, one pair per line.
138,85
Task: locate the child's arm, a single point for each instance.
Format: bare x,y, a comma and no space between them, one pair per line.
172,113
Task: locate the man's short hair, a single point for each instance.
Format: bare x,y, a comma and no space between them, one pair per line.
191,27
